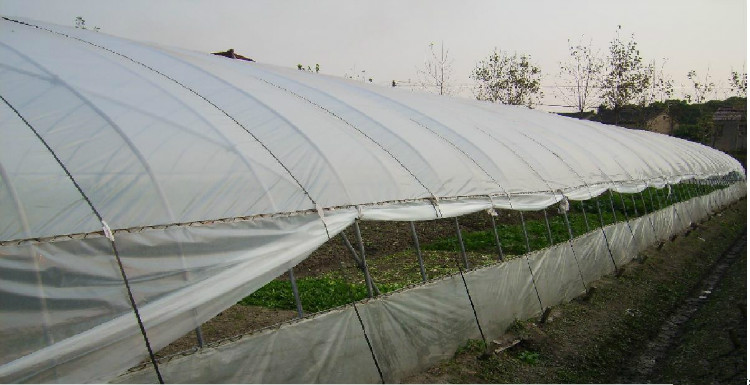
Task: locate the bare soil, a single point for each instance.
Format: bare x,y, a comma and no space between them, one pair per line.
633,327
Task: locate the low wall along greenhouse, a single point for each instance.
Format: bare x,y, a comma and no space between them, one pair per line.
146,189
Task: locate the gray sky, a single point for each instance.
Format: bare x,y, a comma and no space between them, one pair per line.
389,38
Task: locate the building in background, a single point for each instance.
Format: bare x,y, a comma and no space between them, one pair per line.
730,129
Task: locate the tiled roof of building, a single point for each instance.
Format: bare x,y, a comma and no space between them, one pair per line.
729,113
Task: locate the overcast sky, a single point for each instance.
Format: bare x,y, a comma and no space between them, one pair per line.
389,39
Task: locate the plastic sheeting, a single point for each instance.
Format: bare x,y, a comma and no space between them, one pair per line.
216,175
414,329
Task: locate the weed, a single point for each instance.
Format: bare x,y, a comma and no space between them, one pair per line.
531,358
471,346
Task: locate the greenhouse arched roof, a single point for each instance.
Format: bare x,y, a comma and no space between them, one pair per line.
215,175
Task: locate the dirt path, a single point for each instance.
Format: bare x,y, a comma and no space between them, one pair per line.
614,334
659,348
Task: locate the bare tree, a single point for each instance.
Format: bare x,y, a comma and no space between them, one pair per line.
700,88
738,83
436,72
661,87
580,75
625,77
508,79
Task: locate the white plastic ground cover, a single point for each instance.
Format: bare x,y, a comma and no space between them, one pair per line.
415,328
217,175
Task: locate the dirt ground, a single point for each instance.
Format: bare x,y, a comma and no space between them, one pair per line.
661,319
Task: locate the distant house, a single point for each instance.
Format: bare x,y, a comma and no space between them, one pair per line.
730,129
662,123
232,55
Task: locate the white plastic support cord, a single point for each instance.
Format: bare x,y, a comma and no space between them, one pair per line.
107,231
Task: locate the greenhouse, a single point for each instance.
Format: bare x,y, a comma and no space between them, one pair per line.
145,189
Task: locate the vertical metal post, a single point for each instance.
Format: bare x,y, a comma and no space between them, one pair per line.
570,242
295,291
549,230
528,263
604,233
685,197
658,199
419,251
673,193
461,243
358,261
646,214
500,255
199,337
585,218
635,205
625,211
651,198
699,194
471,301
525,234
368,280
612,205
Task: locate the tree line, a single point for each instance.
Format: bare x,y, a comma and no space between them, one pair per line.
618,78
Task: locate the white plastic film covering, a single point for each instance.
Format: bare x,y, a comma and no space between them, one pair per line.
416,328
211,172
82,329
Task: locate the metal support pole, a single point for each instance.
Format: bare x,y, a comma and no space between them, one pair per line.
696,191
635,206
604,233
683,198
673,193
612,205
368,280
525,234
461,243
549,230
358,261
570,242
500,255
528,263
651,198
349,247
585,218
471,301
658,199
625,211
199,337
295,291
419,251
643,200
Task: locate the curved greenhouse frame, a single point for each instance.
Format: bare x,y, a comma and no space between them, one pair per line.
145,189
